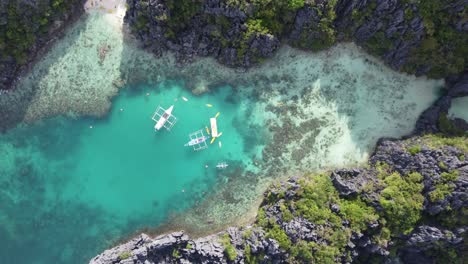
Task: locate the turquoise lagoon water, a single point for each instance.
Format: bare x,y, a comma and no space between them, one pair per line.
82,167
69,185
459,108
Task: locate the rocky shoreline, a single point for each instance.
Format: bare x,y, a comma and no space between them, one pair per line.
431,234
240,33
426,225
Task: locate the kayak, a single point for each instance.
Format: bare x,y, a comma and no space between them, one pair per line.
209,105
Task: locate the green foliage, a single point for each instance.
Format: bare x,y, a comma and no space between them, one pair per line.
181,13
442,165
286,213
247,234
321,35
441,190
450,176
26,25
402,201
302,252
229,249
437,141
313,201
188,246
125,255
295,4
358,213
444,187
443,48
175,253
415,149
275,232
461,157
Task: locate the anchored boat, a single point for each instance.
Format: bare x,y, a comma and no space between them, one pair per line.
164,118
222,165
197,140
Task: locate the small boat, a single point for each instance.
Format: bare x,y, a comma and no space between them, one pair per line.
185,99
220,134
196,141
207,130
214,127
212,140
164,117
209,105
222,165
219,144
217,114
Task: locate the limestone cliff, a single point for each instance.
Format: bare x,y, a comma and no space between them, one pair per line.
421,37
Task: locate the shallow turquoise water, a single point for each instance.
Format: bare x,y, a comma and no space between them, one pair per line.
69,190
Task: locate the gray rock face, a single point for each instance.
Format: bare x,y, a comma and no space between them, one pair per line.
350,182
425,238
217,28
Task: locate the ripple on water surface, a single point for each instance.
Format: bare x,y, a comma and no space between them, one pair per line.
69,191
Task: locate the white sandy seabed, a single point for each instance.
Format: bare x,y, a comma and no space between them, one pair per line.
322,110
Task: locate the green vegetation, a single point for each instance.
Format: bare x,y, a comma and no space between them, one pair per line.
402,201
27,24
415,149
278,234
438,141
313,202
443,48
444,186
125,255
400,197
229,249
181,13
175,253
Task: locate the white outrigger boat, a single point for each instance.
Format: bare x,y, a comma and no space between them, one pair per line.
222,165
164,118
197,140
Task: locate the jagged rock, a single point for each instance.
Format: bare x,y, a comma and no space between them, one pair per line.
347,181
136,245
425,238
350,182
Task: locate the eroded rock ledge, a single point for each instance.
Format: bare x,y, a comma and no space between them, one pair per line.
411,200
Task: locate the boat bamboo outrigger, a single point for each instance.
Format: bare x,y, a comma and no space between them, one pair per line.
164,118
197,140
